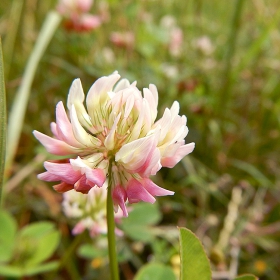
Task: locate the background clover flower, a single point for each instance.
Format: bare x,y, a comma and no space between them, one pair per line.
76,15
88,210
117,126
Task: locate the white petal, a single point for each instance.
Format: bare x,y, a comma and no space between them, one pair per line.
148,95
98,92
110,139
76,93
154,91
175,108
80,134
122,84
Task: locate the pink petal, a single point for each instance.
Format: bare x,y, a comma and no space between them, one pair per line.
63,171
64,127
152,164
82,186
154,189
83,5
55,146
180,153
63,187
53,129
95,230
89,22
134,154
48,177
119,198
79,228
96,176
136,192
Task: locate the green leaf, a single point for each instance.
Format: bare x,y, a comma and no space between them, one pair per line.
16,271
7,236
246,277
38,242
194,262
10,271
138,232
138,224
88,251
42,268
155,271
144,214
36,230
3,121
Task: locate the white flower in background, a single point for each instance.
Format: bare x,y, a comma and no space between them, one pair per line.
204,45
88,210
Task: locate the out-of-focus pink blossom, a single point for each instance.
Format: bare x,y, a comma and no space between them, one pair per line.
89,211
76,16
176,41
124,40
175,35
117,126
68,7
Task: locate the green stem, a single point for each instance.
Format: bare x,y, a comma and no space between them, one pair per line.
111,230
3,124
21,99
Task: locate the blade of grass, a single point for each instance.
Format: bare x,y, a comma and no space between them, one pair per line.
10,36
3,120
17,113
257,44
231,47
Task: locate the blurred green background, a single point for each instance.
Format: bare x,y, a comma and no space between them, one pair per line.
225,74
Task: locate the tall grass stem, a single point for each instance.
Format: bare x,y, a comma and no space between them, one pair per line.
18,110
3,121
10,36
230,51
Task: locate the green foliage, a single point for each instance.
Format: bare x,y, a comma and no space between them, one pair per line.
23,253
138,225
3,119
194,262
155,271
39,241
89,251
7,236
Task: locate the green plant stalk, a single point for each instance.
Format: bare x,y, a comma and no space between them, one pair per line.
17,113
10,37
111,230
3,120
231,47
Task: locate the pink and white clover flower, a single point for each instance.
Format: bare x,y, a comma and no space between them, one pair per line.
117,125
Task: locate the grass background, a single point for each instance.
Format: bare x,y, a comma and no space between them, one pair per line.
229,93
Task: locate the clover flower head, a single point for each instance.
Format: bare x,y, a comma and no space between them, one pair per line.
77,18
117,128
89,210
